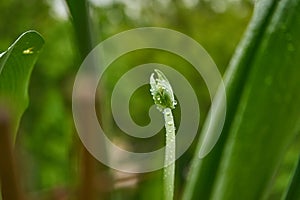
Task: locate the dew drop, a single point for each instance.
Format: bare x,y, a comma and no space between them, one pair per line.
28,51
170,123
174,102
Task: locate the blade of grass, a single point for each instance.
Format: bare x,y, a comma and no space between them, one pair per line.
79,11
202,173
267,117
80,14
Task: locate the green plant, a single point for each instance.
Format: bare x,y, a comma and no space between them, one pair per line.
163,97
16,65
261,82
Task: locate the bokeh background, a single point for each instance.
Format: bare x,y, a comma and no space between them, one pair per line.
52,161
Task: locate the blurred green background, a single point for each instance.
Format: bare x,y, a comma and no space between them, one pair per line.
50,152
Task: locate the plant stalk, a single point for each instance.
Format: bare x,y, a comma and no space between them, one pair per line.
170,152
163,97
9,176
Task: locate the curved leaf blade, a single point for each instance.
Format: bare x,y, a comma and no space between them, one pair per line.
262,83
16,64
267,118
203,171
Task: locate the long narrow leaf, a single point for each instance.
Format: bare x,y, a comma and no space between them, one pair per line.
267,118
79,11
16,65
202,174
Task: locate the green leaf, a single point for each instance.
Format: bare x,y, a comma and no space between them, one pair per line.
79,11
16,65
293,192
263,109
202,174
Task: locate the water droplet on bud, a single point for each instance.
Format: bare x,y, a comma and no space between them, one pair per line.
170,123
174,102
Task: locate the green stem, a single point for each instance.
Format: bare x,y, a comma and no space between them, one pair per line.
163,97
169,170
